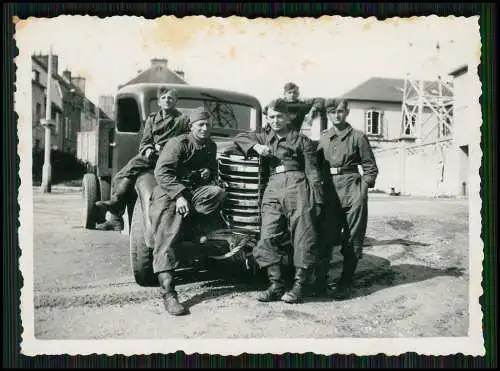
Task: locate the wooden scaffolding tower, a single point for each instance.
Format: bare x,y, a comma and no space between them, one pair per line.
426,114
427,101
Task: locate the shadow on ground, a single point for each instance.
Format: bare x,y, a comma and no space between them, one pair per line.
375,273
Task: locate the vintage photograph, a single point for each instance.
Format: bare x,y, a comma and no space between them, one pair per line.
229,185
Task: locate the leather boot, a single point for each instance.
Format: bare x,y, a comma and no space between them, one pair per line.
170,299
320,286
116,205
114,223
345,284
296,294
277,287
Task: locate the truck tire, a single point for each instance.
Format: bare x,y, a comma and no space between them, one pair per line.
141,255
105,195
90,195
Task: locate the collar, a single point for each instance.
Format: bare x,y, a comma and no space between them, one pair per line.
164,113
197,144
290,136
341,134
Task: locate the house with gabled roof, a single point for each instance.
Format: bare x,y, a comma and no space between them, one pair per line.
158,72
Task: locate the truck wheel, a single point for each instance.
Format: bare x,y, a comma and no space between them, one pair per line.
141,256
105,194
90,195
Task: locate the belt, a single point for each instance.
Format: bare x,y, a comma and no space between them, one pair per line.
344,170
284,168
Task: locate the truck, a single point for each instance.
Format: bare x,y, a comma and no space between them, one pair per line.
116,141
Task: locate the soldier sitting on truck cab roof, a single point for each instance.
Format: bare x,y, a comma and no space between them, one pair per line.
160,126
301,110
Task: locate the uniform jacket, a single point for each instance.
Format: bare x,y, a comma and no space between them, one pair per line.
161,126
300,108
181,157
294,149
347,148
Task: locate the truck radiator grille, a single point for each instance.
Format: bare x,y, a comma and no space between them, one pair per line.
244,180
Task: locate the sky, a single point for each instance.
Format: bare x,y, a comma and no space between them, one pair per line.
326,56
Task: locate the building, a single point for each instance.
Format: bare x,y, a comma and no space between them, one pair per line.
107,105
463,128
71,110
158,72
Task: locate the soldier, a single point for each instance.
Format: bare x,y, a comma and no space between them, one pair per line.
180,197
291,201
301,110
159,128
341,149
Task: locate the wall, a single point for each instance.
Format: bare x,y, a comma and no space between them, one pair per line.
463,128
419,169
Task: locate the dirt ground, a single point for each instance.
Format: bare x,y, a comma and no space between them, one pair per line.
412,282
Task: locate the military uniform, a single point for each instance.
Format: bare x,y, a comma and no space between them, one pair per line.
300,108
346,207
182,157
159,128
290,201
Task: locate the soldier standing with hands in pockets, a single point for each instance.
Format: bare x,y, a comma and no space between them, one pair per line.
341,150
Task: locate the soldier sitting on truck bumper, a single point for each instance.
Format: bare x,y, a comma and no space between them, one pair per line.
177,200
159,128
292,199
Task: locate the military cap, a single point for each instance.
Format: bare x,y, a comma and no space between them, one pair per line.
199,113
290,86
278,105
164,90
331,104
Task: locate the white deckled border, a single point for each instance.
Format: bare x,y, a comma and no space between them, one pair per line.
473,344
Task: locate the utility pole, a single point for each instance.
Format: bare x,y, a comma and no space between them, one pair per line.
48,124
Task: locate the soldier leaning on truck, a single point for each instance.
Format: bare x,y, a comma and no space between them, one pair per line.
178,199
160,126
291,202
341,149
301,110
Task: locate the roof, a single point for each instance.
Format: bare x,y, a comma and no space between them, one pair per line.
460,70
156,74
190,91
68,85
379,89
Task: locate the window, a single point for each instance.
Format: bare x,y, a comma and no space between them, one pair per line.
36,76
224,114
373,122
38,112
409,128
446,123
67,128
128,119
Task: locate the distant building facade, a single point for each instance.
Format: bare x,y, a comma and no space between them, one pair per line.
71,110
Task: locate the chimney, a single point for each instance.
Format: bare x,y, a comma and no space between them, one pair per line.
44,58
79,82
55,64
159,63
67,75
180,73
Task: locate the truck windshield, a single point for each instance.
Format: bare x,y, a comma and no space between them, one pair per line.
227,115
